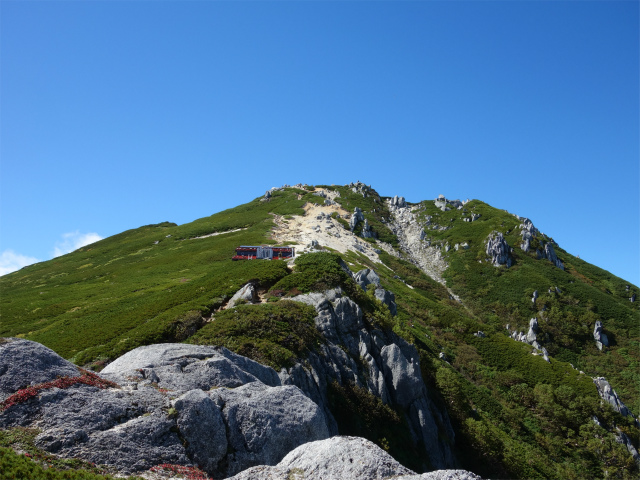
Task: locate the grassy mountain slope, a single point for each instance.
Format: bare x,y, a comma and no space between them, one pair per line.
515,415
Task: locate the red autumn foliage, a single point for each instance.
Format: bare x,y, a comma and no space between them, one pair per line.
87,378
190,473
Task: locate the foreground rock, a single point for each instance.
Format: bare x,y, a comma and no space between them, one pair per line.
24,363
181,404
340,458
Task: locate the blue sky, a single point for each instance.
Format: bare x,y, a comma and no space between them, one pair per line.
119,114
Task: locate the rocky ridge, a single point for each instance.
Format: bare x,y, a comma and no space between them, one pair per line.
381,362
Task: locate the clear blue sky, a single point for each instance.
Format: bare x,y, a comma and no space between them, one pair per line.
120,114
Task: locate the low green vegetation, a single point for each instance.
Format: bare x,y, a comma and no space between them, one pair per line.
274,334
35,464
131,289
570,300
514,415
315,272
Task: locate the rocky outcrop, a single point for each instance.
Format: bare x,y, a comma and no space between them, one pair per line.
623,439
265,423
529,232
411,237
269,193
180,404
398,202
530,338
182,367
366,230
24,363
610,396
601,338
388,298
498,250
550,254
355,218
247,293
381,362
532,334
545,355
366,277
340,458
360,188
445,205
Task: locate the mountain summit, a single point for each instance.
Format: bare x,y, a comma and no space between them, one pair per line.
437,335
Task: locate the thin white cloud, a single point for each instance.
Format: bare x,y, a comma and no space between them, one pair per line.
11,261
74,240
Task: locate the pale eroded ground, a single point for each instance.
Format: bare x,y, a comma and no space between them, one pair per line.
302,230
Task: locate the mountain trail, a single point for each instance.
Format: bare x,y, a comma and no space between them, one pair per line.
318,227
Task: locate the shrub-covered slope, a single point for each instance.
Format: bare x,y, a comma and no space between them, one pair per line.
515,415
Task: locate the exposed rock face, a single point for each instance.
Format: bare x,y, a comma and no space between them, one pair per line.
265,423
545,355
610,396
268,193
498,249
398,202
388,298
202,426
247,294
528,233
550,254
411,237
622,438
355,218
600,338
383,363
531,337
225,430
341,458
23,362
441,202
182,367
366,230
366,277
359,187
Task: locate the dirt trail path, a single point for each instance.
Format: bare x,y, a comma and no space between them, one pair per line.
317,225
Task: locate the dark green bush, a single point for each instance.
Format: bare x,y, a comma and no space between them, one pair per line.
274,334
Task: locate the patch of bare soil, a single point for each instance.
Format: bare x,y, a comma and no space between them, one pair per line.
317,227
